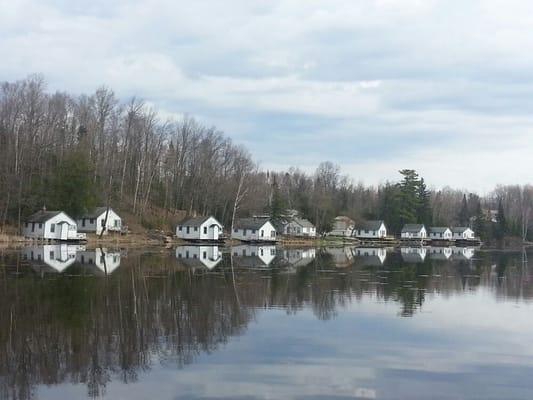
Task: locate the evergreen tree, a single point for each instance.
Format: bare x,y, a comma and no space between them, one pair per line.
408,196
501,226
72,189
480,223
278,206
464,215
424,212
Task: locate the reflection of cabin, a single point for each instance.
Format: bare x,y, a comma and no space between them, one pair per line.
100,260
463,233
371,256
254,230
253,256
342,256
56,256
342,226
51,225
371,230
299,227
440,233
462,253
199,256
199,228
440,253
413,254
299,257
414,231
96,221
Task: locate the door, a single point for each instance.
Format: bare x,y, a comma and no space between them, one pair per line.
64,231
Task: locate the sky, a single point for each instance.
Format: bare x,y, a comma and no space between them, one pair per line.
441,86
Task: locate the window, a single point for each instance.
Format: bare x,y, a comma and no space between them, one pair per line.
40,226
188,229
103,223
196,229
205,255
52,255
27,225
273,234
83,222
91,221
261,251
244,232
179,255
205,230
33,226
180,228
187,254
236,230
262,233
253,253
52,228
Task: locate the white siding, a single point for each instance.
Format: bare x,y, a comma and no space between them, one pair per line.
372,234
422,234
446,235
114,223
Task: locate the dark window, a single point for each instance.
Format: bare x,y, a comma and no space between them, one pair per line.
235,230
188,229
179,228
196,229
205,230
52,255
179,255
27,225
253,231
205,255
91,221
40,226
262,233
103,223
83,222
52,228
187,254
33,226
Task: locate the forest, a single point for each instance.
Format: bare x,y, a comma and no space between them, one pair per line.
74,152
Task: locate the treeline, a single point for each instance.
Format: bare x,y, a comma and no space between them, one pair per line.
74,152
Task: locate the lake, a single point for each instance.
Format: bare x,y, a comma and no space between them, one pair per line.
265,322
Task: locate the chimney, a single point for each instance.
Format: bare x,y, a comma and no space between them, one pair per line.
44,207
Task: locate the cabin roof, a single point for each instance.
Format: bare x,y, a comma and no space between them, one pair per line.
195,221
302,222
460,229
412,227
344,218
96,212
250,223
371,225
42,216
438,229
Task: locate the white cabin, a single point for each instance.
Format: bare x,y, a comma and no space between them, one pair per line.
299,257
414,231
342,257
371,230
58,257
463,233
440,233
199,228
463,253
100,259
299,227
199,256
95,221
254,230
51,225
343,226
260,256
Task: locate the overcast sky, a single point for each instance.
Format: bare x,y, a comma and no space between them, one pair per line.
444,87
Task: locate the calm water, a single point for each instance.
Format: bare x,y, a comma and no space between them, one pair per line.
265,323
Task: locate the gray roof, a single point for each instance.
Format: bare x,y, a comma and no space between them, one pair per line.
460,229
304,223
370,225
412,227
195,221
42,216
96,212
438,229
250,223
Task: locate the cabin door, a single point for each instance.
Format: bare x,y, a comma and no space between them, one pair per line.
213,230
64,231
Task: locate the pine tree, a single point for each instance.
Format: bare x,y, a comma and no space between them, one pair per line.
408,196
480,222
464,215
501,227
424,212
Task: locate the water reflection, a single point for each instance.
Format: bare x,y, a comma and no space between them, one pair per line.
163,310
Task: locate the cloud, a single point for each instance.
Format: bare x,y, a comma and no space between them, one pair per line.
381,83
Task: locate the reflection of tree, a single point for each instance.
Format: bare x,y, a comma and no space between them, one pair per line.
83,329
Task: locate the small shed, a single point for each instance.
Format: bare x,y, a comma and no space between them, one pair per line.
343,226
51,225
96,221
